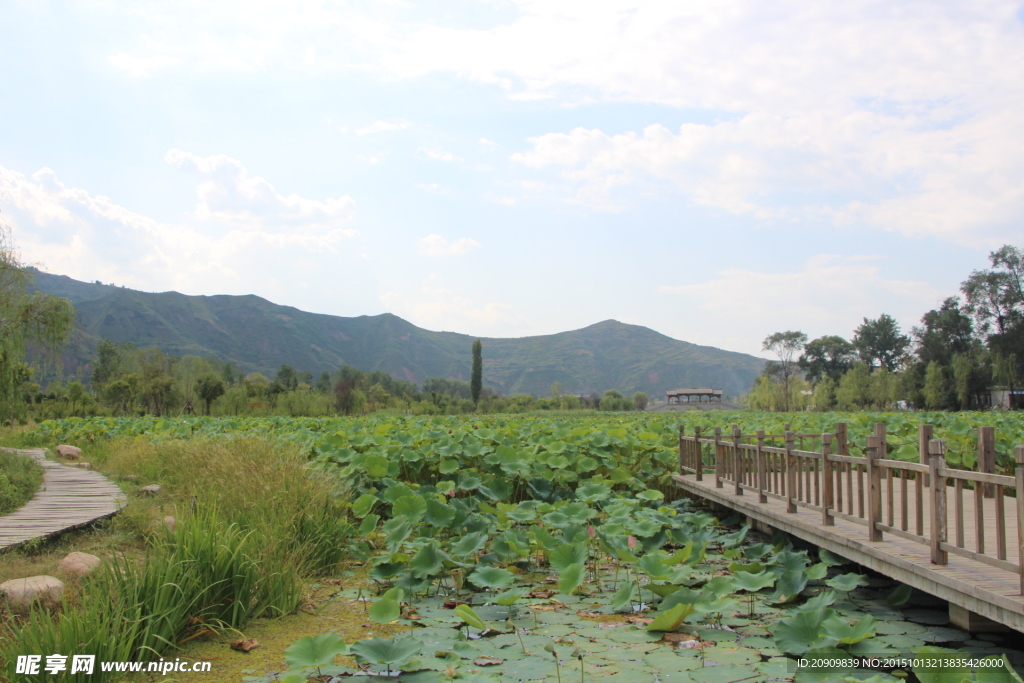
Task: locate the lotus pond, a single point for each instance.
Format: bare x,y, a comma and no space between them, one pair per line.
526,548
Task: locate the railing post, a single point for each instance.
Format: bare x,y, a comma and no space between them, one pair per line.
682,455
718,458
1018,457
762,475
937,461
790,471
699,451
827,502
874,511
841,447
883,441
737,460
924,435
987,456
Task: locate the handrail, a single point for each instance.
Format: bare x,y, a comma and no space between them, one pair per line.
830,481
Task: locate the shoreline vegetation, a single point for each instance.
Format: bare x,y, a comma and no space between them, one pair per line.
20,478
548,528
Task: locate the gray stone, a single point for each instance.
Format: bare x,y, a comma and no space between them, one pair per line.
21,593
69,452
150,490
78,564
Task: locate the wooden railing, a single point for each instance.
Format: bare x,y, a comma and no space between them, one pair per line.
885,496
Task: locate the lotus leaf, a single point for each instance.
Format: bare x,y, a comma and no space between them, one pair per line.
315,651
570,579
392,652
753,582
671,619
426,562
466,613
847,582
836,627
565,555
803,631
362,506
494,578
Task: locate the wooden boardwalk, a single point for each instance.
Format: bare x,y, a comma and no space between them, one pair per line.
950,541
69,497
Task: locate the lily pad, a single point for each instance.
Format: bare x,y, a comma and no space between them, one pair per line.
928,617
728,673
729,654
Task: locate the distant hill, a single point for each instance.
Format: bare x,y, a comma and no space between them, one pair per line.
259,336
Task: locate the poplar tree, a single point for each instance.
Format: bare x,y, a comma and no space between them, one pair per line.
476,381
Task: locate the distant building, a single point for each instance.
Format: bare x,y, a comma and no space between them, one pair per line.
1004,399
702,395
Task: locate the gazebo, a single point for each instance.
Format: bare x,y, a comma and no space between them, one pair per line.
702,395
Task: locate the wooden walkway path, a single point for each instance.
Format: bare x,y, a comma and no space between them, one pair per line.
69,497
955,541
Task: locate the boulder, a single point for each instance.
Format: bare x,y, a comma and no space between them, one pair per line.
134,478
78,564
69,452
170,523
150,490
21,593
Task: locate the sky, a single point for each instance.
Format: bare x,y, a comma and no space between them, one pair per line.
716,171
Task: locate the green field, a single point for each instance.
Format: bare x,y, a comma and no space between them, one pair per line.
570,549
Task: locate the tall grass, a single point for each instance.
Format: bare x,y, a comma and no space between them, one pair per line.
252,519
20,478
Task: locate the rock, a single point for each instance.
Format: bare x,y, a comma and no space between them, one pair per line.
245,644
81,465
78,564
134,478
70,452
21,593
170,523
150,490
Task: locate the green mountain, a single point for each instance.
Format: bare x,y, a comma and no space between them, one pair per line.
259,336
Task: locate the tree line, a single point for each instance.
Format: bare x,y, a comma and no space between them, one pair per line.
969,346
127,380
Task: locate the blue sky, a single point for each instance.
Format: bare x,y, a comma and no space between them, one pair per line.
715,171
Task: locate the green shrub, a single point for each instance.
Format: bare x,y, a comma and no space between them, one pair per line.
20,478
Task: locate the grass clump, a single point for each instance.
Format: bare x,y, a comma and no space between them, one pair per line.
252,519
20,478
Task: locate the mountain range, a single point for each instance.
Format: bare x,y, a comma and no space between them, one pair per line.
260,336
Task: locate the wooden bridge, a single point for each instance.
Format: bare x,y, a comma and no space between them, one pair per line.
68,498
953,533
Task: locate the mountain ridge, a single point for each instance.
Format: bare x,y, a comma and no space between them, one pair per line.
259,336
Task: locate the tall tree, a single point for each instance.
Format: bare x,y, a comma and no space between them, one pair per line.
944,332
997,295
476,380
880,343
25,317
829,356
785,345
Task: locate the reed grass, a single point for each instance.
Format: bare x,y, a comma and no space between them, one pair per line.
252,520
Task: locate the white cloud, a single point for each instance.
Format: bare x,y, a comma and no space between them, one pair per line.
906,116
433,188
437,154
242,232
229,195
822,297
434,246
141,67
381,126
435,307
